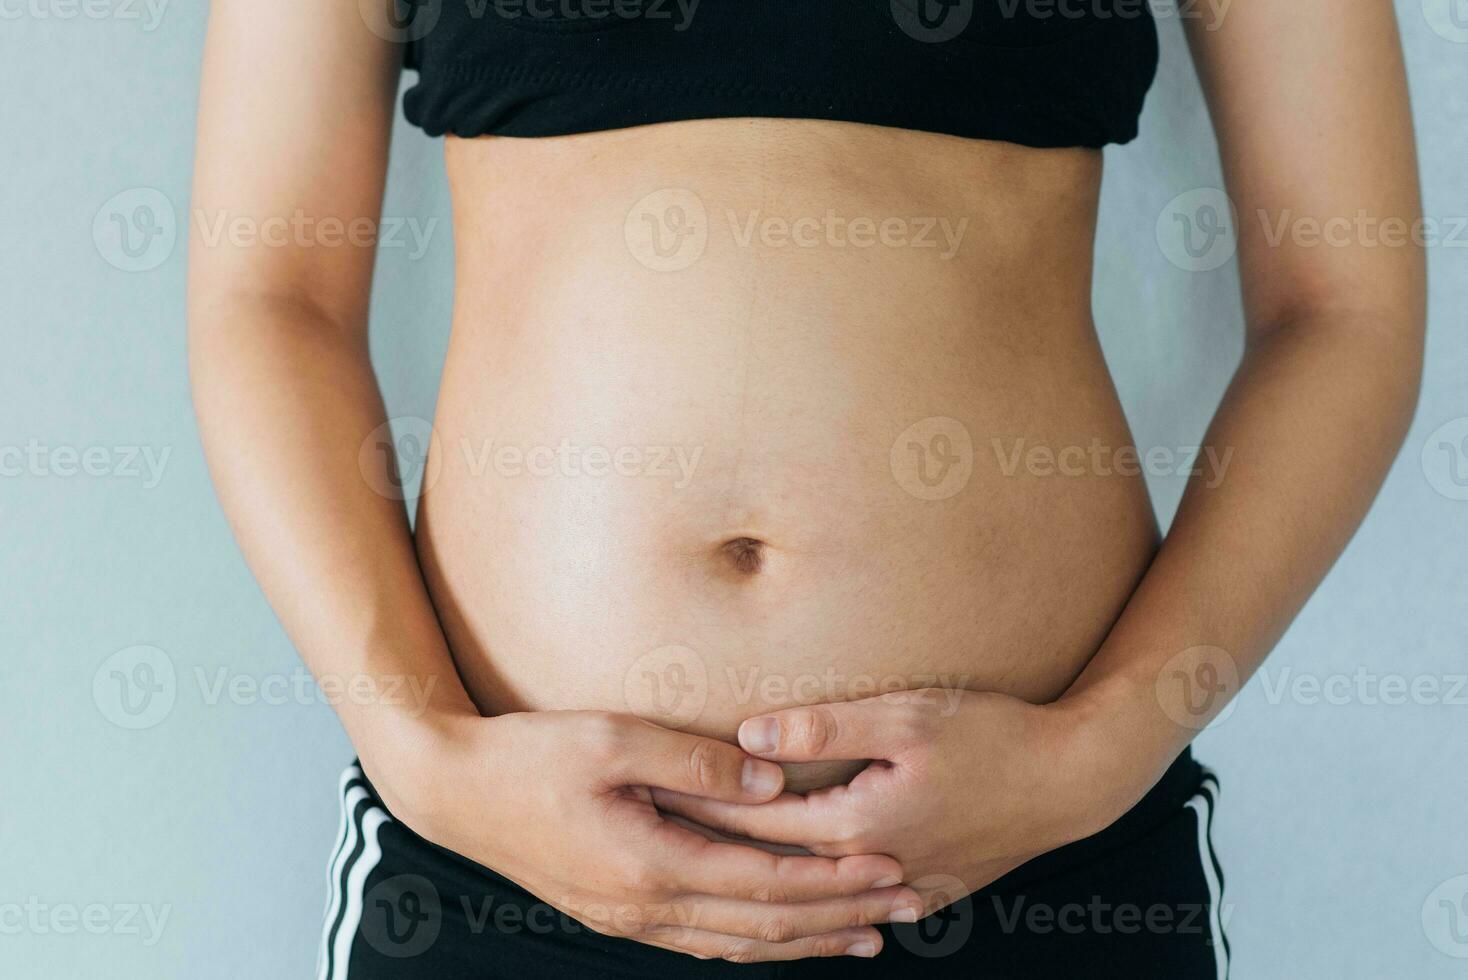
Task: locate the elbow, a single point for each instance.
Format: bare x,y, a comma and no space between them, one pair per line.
1374,357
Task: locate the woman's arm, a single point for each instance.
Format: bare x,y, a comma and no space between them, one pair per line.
1310,102
294,119
294,123
1309,99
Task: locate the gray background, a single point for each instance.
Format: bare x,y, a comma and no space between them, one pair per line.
1338,821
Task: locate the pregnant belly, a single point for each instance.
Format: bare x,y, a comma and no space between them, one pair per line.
774,476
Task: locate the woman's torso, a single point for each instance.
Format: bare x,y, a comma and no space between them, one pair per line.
743,413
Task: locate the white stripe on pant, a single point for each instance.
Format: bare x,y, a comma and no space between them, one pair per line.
345,905
1202,805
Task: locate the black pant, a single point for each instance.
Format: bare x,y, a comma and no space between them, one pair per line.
1142,899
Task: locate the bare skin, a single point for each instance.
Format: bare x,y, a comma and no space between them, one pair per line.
790,558
799,542
1314,416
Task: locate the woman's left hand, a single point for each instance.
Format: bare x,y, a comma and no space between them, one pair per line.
963,786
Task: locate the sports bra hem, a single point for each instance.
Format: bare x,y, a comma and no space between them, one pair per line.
737,98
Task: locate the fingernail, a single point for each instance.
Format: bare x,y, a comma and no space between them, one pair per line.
760,778
760,734
863,948
904,913
887,882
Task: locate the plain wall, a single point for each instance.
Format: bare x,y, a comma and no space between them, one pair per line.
1338,820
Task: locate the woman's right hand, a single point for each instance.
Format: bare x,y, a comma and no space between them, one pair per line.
560,803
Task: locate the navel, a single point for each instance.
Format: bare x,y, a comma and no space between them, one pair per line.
746,555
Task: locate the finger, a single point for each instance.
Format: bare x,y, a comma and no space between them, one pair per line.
788,819
715,835
864,942
789,921
698,866
650,755
875,728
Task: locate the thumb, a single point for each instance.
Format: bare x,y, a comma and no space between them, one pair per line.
876,728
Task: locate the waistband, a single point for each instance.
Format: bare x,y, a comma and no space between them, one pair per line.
1178,784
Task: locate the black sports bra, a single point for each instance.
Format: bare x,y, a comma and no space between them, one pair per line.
1037,72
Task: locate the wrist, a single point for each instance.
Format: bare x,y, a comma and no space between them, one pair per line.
1112,749
413,758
